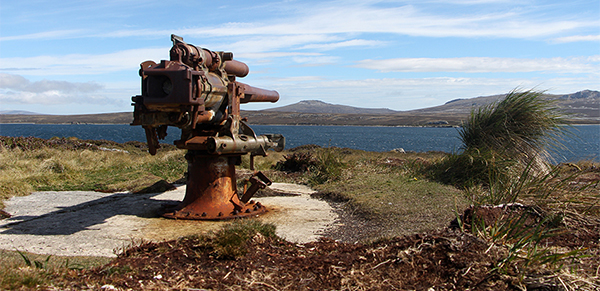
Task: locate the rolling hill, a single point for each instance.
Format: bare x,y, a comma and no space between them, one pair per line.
583,107
316,106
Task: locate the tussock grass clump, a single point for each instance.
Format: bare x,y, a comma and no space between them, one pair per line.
522,126
329,165
502,139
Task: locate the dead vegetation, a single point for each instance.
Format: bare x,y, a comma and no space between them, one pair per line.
450,259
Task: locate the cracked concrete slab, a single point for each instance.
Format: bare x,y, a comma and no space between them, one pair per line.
84,223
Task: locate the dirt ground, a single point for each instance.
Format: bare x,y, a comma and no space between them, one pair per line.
451,259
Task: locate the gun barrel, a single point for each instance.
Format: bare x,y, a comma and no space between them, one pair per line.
253,94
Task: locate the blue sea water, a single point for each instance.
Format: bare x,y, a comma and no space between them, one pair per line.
585,144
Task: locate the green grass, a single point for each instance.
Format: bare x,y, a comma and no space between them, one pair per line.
232,239
43,168
385,187
22,269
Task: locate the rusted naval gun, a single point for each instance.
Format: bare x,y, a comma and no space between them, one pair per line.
196,91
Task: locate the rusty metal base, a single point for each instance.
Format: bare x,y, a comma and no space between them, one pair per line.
211,192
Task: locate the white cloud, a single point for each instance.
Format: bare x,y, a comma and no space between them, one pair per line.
577,38
343,44
483,65
300,79
16,82
329,26
265,43
271,55
51,97
472,2
82,64
412,93
350,18
404,20
15,89
315,60
54,34
311,25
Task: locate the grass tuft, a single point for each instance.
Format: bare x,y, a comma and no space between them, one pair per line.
232,239
23,271
502,139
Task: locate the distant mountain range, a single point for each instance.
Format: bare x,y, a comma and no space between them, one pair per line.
19,112
582,107
583,104
316,106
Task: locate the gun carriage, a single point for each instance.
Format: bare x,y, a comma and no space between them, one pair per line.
197,91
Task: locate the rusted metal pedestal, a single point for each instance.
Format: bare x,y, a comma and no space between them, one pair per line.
211,192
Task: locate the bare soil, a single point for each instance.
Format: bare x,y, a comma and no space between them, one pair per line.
451,259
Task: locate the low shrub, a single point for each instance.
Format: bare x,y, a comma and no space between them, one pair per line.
296,162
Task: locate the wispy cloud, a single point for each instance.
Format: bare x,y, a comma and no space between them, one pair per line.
577,38
318,21
483,65
315,60
276,55
54,34
15,89
404,20
345,44
19,83
414,93
81,64
265,43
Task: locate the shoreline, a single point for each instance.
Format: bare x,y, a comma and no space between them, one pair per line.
283,124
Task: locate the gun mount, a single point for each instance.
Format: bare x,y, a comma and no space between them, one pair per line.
196,91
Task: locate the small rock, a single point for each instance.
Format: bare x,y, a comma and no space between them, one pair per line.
4,214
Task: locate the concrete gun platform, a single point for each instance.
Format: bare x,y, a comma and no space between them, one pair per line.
86,223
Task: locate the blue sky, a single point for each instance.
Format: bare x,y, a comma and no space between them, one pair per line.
79,57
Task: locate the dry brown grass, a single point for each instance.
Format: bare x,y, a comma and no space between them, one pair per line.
118,169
